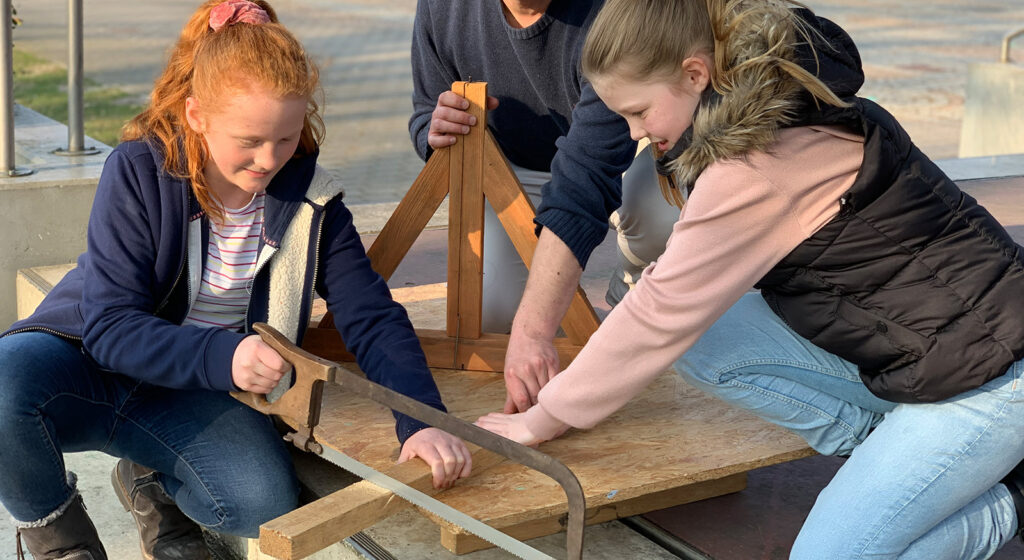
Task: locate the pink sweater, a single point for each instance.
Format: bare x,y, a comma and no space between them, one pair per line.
744,216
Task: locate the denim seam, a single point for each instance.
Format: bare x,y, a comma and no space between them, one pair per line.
839,422
220,508
120,416
717,377
812,367
1001,412
71,478
90,401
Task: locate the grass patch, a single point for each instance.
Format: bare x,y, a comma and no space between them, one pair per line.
41,85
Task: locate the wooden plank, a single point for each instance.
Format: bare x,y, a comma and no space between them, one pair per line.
459,541
466,219
412,215
486,353
455,237
509,200
669,437
319,524
516,213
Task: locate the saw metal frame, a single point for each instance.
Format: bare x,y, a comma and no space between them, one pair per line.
301,405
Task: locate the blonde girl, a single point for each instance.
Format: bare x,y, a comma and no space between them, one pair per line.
210,216
889,326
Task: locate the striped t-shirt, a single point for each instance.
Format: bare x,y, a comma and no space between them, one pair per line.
230,265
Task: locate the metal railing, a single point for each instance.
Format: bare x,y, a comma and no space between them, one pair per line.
76,100
7,94
76,125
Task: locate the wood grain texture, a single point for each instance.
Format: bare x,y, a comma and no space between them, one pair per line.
516,213
669,437
339,515
459,541
466,218
411,215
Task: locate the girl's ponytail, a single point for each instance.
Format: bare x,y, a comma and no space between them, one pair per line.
758,38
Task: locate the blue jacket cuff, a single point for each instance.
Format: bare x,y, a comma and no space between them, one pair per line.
219,353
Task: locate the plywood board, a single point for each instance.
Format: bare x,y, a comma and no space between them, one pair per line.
669,437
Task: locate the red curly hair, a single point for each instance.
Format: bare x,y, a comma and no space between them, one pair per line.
208,66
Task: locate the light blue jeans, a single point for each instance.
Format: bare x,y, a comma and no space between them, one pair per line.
921,481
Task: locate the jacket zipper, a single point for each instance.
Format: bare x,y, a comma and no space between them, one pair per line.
181,266
316,266
46,330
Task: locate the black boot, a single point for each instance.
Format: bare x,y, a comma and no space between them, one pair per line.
1014,482
166,533
71,536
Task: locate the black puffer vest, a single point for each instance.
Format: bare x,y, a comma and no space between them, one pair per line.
913,281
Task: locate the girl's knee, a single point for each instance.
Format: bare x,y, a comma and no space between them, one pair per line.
836,540
256,503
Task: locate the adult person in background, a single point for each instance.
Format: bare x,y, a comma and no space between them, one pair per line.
569,151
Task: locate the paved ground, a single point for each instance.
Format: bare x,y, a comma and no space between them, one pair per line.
915,52
915,55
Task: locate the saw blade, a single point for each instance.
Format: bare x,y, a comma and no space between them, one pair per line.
446,512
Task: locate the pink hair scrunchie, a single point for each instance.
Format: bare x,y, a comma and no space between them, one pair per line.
237,11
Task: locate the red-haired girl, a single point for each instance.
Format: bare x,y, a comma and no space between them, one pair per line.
210,216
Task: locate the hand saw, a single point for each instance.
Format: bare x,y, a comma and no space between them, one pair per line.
301,405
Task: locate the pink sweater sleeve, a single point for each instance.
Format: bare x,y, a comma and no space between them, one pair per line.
744,216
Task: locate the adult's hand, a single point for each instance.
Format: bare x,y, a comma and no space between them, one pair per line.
450,119
446,455
530,362
256,367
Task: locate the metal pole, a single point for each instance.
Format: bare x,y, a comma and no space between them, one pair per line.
76,103
7,93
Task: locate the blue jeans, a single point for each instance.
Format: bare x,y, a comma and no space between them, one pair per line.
921,481
222,462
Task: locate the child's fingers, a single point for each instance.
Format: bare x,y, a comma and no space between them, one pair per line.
467,463
454,464
270,359
437,466
255,383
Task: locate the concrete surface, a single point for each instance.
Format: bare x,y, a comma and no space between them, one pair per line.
915,55
45,213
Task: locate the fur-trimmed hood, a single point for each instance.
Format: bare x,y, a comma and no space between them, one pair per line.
762,99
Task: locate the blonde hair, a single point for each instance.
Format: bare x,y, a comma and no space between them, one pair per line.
752,44
209,65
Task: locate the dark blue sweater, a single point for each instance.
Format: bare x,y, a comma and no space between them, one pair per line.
548,117
126,299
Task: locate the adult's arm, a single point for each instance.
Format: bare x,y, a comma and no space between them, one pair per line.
586,176
585,188
531,360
